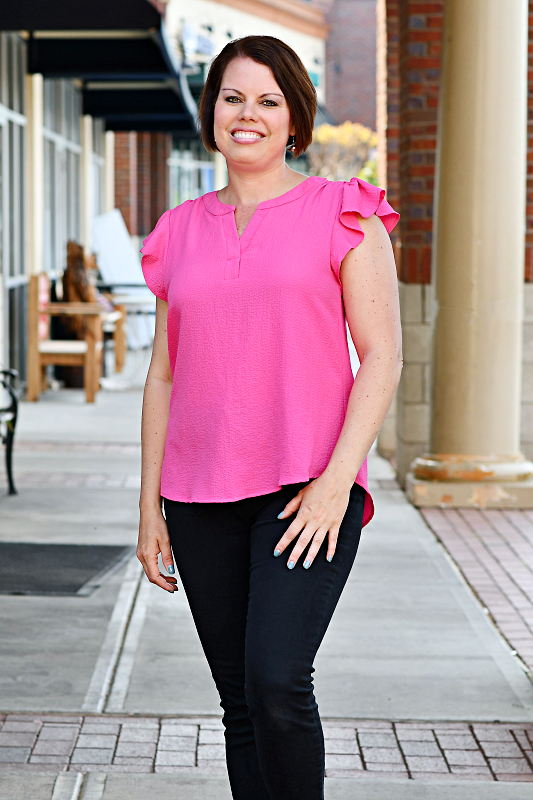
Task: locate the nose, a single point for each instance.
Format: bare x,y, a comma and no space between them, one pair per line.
248,111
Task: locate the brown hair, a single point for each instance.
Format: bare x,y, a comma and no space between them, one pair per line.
289,72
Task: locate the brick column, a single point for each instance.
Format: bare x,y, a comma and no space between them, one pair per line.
126,178
161,144
144,183
414,34
479,264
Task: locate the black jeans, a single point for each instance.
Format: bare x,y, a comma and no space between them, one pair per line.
260,625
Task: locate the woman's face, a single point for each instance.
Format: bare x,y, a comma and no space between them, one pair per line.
252,118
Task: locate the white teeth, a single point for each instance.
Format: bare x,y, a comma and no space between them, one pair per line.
246,135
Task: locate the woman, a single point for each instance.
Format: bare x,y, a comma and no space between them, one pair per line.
254,431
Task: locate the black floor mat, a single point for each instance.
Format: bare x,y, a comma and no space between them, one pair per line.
57,569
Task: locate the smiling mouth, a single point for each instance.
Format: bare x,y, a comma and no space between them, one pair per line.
247,136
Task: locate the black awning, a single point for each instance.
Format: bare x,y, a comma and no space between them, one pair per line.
108,44
81,15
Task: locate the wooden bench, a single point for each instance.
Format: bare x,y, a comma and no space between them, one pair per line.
43,351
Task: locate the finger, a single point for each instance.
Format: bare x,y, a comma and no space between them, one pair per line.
303,540
291,533
332,543
292,506
316,544
151,569
166,556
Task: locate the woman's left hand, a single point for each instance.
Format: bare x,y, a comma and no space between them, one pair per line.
321,506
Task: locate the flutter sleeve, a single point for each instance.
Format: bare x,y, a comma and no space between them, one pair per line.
359,197
154,256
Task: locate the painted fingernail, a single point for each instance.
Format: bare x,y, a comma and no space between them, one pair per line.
277,553
307,565
170,569
291,565
330,559
280,514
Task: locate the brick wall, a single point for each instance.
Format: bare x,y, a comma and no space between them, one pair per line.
420,61
351,61
126,178
141,179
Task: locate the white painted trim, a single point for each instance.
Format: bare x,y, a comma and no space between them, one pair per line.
86,183
119,691
61,142
106,663
18,280
11,116
68,786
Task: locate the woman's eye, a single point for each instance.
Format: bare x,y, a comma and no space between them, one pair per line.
270,102
232,98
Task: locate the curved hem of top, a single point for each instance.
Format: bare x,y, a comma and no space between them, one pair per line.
368,498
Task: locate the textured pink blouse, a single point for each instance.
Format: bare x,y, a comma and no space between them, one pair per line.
257,337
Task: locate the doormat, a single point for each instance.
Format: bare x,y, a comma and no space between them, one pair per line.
57,569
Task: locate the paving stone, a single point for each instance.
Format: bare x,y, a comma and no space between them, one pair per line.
109,768
458,742
411,735
87,756
461,769
339,761
176,743
53,747
96,740
448,776
59,732
176,729
493,734
425,764
16,755
211,751
377,739
211,768
176,770
500,749
338,733
211,737
142,722
21,727
384,767
136,749
421,749
382,755
55,760
100,728
124,761
510,765
138,734
174,758
10,739
514,777
341,746
470,758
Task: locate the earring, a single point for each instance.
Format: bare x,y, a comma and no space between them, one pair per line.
291,144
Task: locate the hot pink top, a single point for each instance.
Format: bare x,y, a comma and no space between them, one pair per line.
257,337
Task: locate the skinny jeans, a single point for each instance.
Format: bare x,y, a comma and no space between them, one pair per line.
260,625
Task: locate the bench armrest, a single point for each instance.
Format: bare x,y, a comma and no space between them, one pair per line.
87,309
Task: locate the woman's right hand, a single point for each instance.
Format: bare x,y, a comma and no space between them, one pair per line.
153,539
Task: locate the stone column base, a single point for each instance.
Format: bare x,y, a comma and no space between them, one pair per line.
469,494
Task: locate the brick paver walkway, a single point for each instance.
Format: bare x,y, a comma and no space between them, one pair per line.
494,551
354,748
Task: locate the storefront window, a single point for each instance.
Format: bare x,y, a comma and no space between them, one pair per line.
192,173
13,280
62,150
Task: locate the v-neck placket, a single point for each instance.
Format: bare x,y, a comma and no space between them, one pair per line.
235,246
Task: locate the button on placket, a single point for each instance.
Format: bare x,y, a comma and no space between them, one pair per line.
233,249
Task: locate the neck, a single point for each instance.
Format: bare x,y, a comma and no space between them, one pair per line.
246,188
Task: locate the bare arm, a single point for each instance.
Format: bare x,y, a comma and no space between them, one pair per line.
153,535
370,290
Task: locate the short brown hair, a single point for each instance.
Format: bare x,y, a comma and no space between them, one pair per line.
289,72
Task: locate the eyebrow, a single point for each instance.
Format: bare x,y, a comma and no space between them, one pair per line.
230,89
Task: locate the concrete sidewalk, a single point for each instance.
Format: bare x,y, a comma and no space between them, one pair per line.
409,641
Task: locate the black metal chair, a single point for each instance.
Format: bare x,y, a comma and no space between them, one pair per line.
8,422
